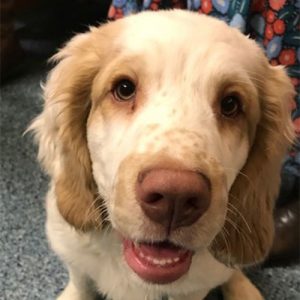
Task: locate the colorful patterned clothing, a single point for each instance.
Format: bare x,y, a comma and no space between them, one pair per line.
274,24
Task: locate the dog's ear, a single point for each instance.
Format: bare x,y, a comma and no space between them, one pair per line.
249,227
60,129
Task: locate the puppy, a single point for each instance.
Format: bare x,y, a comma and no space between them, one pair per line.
163,134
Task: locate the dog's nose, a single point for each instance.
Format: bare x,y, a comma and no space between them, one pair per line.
173,198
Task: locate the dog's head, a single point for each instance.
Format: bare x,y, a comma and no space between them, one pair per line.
170,128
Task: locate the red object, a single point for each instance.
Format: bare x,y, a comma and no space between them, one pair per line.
206,6
296,123
295,81
279,27
118,14
154,6
287,57
269,33
270,16
277,4
257,6
274,62
111,12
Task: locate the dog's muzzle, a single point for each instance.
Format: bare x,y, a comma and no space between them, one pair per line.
171,199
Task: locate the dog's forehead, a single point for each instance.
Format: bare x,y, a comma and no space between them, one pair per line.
175,37
175,29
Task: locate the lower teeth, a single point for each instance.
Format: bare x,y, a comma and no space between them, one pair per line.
155,261
162,262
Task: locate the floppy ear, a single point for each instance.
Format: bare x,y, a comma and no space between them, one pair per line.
60,129
249,227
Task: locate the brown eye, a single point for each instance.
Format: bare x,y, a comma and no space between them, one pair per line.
230,106
124,90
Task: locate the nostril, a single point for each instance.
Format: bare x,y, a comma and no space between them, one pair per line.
153,197
192,202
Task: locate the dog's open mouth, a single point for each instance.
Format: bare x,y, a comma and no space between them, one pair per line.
159,263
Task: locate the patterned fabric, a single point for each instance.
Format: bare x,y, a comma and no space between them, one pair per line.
274,24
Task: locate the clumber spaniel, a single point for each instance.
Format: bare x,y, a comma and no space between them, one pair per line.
163,134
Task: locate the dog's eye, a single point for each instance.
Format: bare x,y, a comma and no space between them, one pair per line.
124,90
230,106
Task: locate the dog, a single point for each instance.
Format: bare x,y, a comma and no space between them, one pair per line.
163,134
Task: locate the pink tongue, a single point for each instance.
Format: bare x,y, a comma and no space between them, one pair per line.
159,263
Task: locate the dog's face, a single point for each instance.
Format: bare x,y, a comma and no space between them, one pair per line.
169,128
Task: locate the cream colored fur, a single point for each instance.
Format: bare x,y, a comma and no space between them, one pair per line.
94,147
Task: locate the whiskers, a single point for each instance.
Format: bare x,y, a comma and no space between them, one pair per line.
236,234
242,174
97,212
241,240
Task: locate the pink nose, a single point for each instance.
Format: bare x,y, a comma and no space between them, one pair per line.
173,198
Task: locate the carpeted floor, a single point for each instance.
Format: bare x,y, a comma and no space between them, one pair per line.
29,270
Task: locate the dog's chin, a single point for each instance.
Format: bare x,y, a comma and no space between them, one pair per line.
157,263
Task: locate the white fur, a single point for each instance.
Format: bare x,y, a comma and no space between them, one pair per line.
175,116
98,256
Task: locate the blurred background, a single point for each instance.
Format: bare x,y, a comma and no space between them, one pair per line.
32,31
